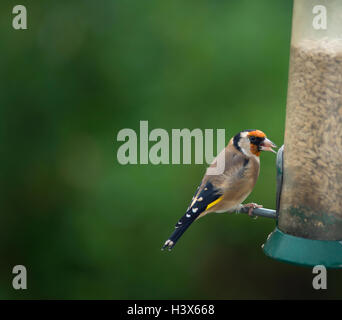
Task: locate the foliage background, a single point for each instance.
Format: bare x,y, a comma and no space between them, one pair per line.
87,227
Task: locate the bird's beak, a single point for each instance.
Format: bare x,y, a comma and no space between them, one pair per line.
267,145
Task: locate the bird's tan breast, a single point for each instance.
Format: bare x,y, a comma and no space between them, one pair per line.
238,184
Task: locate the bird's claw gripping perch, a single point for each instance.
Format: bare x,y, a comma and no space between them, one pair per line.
251,207
259,212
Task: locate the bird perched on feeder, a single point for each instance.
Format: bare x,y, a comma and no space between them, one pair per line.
225,192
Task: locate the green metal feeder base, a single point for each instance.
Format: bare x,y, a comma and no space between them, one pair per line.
304,252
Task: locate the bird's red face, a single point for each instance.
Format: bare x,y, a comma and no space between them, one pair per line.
259,142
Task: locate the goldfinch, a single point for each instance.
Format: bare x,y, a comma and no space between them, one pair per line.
225,192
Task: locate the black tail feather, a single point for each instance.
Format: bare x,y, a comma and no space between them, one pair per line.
170,243
201,200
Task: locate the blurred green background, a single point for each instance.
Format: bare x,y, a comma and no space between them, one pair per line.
88,227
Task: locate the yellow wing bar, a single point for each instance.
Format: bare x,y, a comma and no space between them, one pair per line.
213,203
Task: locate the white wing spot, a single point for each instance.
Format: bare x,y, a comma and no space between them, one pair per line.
168,243
200,199
188,215
194,210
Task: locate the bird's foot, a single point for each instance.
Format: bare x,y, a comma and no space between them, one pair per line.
251,207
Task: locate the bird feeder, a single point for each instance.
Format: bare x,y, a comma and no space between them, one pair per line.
309,197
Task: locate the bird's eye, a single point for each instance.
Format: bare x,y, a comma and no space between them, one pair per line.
252,139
